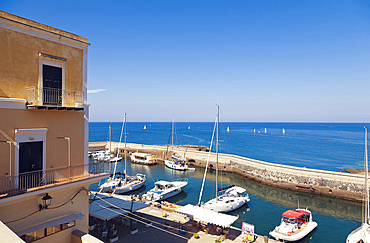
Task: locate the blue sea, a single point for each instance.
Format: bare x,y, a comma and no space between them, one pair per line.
328,146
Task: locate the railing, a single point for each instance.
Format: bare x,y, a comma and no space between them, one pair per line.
13,185
53,97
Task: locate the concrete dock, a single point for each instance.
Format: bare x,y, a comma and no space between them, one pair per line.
320,182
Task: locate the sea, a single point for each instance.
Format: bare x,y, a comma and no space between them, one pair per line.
325,146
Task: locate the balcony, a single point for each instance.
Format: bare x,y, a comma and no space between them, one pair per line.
54,99
36,180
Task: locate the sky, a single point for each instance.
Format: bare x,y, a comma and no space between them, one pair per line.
261,61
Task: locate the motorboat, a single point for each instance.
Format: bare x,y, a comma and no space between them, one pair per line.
233,197
115,159
143,158
362,234
295,224
165,189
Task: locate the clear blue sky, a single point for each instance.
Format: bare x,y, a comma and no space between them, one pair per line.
295,61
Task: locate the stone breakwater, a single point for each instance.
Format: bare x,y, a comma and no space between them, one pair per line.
319,182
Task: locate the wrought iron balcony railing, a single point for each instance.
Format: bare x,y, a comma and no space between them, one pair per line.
14,185
53,97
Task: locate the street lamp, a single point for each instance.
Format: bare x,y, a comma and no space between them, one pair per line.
69,155
46,202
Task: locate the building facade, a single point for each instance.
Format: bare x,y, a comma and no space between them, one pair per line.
43,131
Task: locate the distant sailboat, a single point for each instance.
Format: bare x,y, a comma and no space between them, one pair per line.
283,131
228,129
144,127
265,130
254,130
189,127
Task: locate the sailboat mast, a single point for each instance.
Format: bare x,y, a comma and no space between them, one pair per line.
367,216
218,120
125,148
173,124
110,137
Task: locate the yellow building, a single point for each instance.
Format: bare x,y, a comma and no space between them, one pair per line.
43,132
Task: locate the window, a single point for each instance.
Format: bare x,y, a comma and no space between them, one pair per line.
42,233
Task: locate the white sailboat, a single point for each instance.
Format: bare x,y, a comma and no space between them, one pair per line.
144,127
265,130
362,234
283,131
119,184
165,189
175,163
228,129
233,197
188,127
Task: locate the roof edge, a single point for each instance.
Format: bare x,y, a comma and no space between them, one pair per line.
40,26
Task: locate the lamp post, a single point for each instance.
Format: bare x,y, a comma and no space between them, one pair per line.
69,155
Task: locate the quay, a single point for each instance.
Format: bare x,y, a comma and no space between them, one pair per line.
172,226
341,185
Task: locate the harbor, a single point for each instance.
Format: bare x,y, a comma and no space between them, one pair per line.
341,185
266,206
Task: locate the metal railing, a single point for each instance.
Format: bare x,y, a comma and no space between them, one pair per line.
13,185
53,97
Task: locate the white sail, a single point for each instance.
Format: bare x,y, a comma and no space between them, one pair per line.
144,127
283,131
228,129
265,130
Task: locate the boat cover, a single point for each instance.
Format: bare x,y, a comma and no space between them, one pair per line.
292,214
207,216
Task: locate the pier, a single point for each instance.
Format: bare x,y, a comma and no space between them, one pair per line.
320,182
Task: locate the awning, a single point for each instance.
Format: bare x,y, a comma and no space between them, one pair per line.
107,207
207,216
62,220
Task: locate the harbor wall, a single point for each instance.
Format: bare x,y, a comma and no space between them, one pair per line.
320,182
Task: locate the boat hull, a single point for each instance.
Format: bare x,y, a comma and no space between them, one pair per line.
172,165
225,204
294,236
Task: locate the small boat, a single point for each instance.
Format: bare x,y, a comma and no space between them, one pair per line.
254,130
228,129
169,206
165,189
115,159
295,224
283,131
233,198
265,130
129,183
143,158
144,127
188,127
362,234
175,163
118,183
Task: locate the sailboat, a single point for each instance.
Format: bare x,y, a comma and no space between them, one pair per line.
362,234
228,129
265,130
105,155
283,131
119,184
231,197
144,127
176,163
188,127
